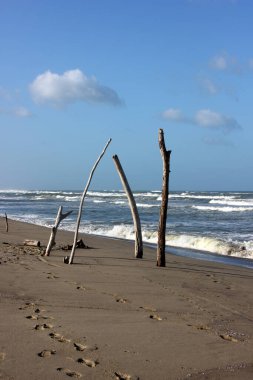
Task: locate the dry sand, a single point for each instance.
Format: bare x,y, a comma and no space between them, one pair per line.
110,316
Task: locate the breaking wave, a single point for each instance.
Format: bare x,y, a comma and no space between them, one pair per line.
248,202
223,209
201,243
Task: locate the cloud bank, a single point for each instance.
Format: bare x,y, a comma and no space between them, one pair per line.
72,86
204,118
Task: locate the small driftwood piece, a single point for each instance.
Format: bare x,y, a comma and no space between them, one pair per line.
33,243
133,208
6,223
72,254
161,262
60,216
79,244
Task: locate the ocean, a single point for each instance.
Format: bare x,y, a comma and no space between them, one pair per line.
215,226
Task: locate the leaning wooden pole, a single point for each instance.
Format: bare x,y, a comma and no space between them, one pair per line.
161,261
71,258
60,216
133,207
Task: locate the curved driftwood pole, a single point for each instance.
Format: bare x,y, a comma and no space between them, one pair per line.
60,216
71,258
161,262
133,207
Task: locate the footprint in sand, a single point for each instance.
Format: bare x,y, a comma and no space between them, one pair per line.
28,305
228,337
45,317
52,277
155,316
44,326
148,308
60,338
70,373
32,317
125,376
80,287
80,347
88,362
122,300
202,327
2,356
38,311
46,353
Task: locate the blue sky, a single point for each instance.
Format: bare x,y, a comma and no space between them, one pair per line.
75,73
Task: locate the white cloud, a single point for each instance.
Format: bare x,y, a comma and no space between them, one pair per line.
70,87
210,119
21,112
224,62
209,86
204,118
219,62
173,114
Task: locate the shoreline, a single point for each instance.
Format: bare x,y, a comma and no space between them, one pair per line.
112,316
170,250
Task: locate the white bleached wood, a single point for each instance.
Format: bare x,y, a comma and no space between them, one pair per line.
71,258
133,208
60,216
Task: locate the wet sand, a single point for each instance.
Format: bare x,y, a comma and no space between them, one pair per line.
110,316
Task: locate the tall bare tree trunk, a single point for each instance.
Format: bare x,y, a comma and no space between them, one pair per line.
60,216
71,258
161,261
133,207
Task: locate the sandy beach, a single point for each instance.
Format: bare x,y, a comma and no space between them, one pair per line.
110,316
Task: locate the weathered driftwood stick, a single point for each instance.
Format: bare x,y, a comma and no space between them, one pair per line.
161,262
71,258
33,243
133,207
60,216
6,222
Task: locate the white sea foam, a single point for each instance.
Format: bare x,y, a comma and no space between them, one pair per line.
148,194
98,201
214,245
193,196
201,243
105,194
190,196
248,202
223,209
72,199
145,205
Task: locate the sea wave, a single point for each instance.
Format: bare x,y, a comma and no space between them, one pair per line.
201,243
223,209
201,196
248,202
146,205
148,194
105,194
214,245
119,202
